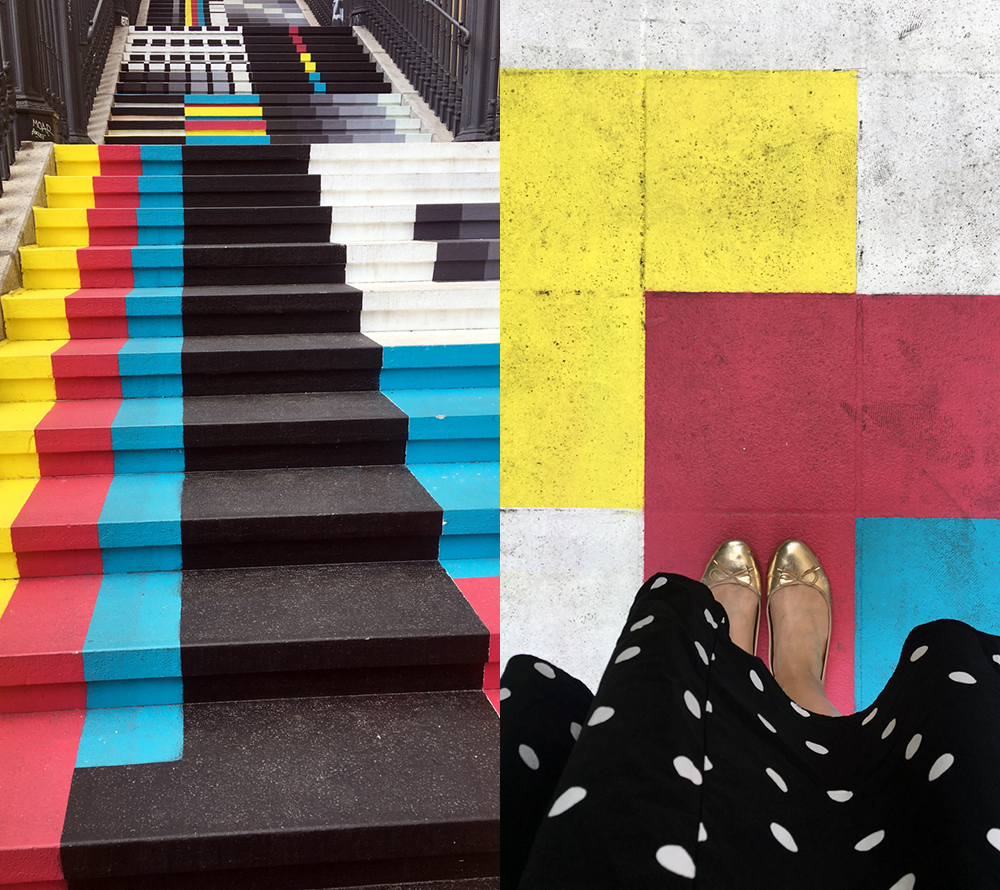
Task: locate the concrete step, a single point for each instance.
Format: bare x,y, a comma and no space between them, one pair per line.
80,525
237,634
355,790
258,431
405,306
103,313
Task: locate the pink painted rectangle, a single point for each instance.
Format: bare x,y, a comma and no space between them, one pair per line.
483,595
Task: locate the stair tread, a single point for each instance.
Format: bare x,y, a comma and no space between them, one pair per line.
326,780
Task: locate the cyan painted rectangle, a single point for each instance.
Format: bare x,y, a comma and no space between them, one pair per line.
450,413
156,326
152,386
135,630
228,140
437,451
150,356
156,266
469,547
441,355
220,99
161,191
911,571
154,301
132,693
149,424
143,559
438,378
161,160
150,461
472,568
458,487
119,736
142,511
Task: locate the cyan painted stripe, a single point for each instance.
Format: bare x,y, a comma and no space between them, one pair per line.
150,356
135,630
142,559
130,693
152,386
148,424
161,191
156,326
220,99
450,413
469,547
160,225
439,378
438,451
469,495
154,312
472,568
228,140
119,736
158,266
313,76
319,87
441,355
150,461
911,571
161,160
141,511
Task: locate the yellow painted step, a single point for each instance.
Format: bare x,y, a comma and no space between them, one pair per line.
207,111
69,191
18,454
49,267
61,227
26,370
78,160
36,314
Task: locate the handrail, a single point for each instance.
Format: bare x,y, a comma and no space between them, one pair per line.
466,33
93,21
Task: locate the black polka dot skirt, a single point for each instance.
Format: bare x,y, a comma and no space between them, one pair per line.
691,768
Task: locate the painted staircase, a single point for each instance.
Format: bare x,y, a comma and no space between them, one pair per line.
249,499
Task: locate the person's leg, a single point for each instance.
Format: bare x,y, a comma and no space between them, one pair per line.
741,605
799,614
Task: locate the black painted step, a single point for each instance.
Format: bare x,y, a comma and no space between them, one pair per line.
268,190
271,309
350,629
257,225
449,222
235,264
293,430
314,792
306,516
249,363
468,260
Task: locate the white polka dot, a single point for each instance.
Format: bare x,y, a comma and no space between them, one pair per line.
840,796
962,677
710,619
626,654
528,756
817,747
701,651
780,782
601,715
708,706
912,745
919,652
870,717
642,622
905,883
692,703
755,677
569,798
545,670
996,658
574,730
784,837
872,840
889,727
687,770
799,710
993,836
768,725
942,764
713,656
708,764
702,834
676,859
659,582
504,694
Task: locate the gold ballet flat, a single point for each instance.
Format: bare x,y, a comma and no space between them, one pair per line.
734,563
794,563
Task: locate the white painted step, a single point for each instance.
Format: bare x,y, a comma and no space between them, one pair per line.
391,261
436,305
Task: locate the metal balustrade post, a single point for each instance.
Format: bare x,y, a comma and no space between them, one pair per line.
479,99
34,117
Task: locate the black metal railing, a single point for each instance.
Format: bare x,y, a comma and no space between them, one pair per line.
448,49
52,53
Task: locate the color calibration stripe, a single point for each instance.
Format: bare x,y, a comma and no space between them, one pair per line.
305,57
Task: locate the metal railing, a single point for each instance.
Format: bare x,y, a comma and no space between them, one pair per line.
52,54
448,49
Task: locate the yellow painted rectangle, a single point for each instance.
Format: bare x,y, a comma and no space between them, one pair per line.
50,267
36,315
77,160
32,389
194,111
25,359
310,66
305,57
7,587
751,181
572,219
69,191
8,566
19,466
13,495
